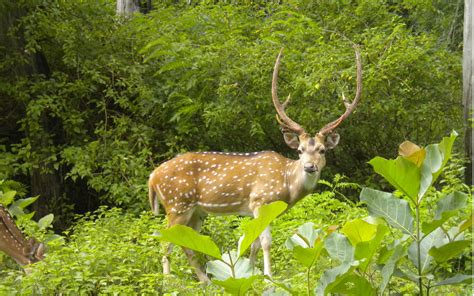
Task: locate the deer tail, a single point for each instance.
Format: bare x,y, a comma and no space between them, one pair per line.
153,198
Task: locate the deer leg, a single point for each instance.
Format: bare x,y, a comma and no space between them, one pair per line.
266,241
174,219
254,251
196,223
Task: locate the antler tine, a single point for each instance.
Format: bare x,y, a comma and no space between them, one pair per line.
285,121
329,128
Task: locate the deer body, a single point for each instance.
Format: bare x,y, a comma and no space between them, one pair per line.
195,184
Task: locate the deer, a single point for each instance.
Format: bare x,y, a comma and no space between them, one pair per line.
15,244
195,184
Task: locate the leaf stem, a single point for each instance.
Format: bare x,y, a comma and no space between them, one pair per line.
418,245
308,280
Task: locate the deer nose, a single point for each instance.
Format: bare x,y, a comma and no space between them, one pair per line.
310,167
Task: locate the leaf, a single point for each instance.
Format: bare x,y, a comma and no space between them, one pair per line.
412,152
359,231
187,237
435,238
305,236
237,286
467,224
395,211
353,284
446,207
222,271
399,251
307,256
45,222
403,174
437,155
449,250
331,277
367,249
7,198
339,247
457,279
24,202
266,214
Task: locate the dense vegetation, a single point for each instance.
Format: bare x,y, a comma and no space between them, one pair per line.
91,102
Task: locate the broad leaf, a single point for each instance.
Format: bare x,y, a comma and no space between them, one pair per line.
187,237
45,222
7,197
254,228
365,251
331,277
237,286
308,256
437,155
395,211
457,279
412,152
449,250
305,236
434,239
339,247
399,251
359,231
24,202
467,224
446,207
403,174
353,284
222,271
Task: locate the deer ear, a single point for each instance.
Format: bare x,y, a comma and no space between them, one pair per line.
291,139
332,140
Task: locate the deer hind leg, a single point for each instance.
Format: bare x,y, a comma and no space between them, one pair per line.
173,219
266,242
196,223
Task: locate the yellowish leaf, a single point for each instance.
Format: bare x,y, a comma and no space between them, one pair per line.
412,152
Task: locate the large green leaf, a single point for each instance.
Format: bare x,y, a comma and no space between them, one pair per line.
237,286
449,250
366,250
353,284
24,202
308,256
254,228
221,269
437,155
339,247
304,237
403,174
457,279
45,222
359,230
332,277
434,239
187,237
395,211
399,251
446,207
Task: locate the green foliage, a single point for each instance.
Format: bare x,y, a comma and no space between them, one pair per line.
120,96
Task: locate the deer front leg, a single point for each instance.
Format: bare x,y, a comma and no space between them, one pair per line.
197,267
266,242
254,251
165,261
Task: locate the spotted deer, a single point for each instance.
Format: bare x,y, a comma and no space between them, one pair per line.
14,243
195,184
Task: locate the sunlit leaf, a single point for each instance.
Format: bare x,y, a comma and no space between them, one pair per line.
222,271
412,152
353,284
45,222
359,231
446,208
403,174
434,239
254,228
237,286
457,279
187,237
7,197
398,252
339,247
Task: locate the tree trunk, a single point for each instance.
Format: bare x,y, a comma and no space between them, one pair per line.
468,80
127,7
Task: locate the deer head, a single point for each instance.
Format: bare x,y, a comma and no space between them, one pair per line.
14,243
311,149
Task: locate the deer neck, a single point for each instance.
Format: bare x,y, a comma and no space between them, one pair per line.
298,182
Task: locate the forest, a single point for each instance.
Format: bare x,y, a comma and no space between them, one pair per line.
96,94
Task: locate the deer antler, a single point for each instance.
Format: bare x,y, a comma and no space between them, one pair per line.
286,122
329,128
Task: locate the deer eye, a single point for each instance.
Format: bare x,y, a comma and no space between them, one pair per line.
322,151
300,150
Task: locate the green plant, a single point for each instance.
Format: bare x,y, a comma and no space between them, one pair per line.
231,271
427,244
